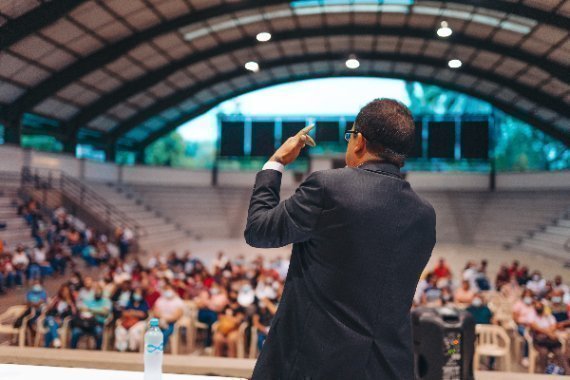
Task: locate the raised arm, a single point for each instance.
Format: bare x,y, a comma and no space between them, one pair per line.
271,224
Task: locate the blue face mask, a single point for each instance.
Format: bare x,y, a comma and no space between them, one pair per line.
137,297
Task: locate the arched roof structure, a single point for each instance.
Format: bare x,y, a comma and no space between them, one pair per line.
124,73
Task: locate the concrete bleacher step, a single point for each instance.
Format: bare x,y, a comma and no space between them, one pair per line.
551,238
543,248
558,230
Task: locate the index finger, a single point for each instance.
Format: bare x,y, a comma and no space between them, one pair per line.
306,130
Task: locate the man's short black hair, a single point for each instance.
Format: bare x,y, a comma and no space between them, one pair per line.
389,129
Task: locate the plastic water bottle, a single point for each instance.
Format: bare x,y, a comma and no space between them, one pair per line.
153,350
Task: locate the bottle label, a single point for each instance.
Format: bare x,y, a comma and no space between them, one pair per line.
151,348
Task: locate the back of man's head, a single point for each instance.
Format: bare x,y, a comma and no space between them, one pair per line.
389,129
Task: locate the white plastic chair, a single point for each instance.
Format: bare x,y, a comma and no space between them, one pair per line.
493,341
41,330
7,323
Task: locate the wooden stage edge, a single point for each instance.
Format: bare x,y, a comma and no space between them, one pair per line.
178,364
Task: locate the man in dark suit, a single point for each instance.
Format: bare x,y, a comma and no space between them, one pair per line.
361,238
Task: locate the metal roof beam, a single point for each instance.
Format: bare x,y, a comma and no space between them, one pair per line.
36,19
182,95
144,82
109,53
504,106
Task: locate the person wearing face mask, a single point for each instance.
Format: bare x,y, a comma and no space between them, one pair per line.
537,284
168,308
557,307
210,305
36,297
131,324
262,320
482,316
523,314
60,307
480,311
91,320
227,333
543,331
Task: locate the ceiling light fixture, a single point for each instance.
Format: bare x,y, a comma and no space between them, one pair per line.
263,36
454,63
352,63
444,30
252,66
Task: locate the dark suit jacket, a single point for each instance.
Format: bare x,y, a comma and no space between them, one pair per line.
361,238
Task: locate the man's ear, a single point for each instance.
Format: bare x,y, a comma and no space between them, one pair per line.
360,145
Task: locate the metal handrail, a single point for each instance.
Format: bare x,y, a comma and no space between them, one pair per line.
82,194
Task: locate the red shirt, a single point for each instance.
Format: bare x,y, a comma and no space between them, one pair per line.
151,298
441,271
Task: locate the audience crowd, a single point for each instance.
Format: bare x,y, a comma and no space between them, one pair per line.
58,241
538,308
233,296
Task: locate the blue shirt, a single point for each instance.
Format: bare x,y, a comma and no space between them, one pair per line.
98,306
35,297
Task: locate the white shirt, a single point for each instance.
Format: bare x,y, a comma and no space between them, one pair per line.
274,165
20,259
544,321
168,307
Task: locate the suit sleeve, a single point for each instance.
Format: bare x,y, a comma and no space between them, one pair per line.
271,224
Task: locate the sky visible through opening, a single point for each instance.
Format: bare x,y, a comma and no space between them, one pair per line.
330,96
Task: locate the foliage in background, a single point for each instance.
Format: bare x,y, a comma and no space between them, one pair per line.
429,99
521,147
174,151
41,142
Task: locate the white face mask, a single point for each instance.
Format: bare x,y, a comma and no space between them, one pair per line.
556,299
169,294
37,288
527,300
477,302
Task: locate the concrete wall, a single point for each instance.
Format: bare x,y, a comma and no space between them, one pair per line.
448,181
12,158
539,181
165,176
56,162
100,172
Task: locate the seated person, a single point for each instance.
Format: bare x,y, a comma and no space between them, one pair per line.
168,308
558,308
441,270
432,294
131,324
543,331
523,315
60,307
227,332
91,319
464,295
20,262
262,320
36,298
211,303
480,311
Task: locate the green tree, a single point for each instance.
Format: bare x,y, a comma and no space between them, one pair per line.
167,151
42,143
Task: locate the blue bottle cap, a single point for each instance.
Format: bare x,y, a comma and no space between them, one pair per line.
154,322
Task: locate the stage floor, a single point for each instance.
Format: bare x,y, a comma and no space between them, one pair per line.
28,372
